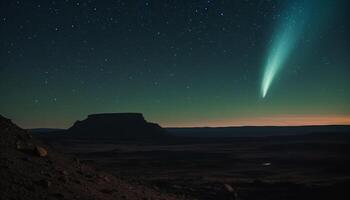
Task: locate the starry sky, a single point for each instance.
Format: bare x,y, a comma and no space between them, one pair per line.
179,62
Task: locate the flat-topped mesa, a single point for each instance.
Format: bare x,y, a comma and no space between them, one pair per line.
116,125
118,117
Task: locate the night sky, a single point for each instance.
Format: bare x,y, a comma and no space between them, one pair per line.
180,63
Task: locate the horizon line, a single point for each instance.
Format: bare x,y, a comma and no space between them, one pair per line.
230,126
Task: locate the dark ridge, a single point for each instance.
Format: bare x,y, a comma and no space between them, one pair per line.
258,131
126,126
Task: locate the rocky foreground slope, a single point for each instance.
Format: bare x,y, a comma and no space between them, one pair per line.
30,169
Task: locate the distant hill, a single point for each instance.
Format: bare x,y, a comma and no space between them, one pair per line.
257,131
133,126
116,126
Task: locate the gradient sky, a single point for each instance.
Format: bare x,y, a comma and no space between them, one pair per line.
180,63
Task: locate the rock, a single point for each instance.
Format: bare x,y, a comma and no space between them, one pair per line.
48,183
106,179
24,136
232,192
156,188
29,135
40,151
229,188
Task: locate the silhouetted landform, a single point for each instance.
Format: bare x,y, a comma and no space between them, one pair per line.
31,170
303,166
258,131
127,126
297,163
133,127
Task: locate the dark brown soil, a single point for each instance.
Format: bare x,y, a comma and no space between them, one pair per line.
303,167
32,170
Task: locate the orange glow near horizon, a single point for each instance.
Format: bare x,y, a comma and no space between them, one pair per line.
280,120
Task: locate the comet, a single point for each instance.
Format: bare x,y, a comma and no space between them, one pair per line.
283,43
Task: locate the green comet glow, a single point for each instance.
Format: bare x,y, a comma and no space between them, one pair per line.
278,56
283,43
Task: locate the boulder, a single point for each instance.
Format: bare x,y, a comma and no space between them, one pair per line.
41,151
